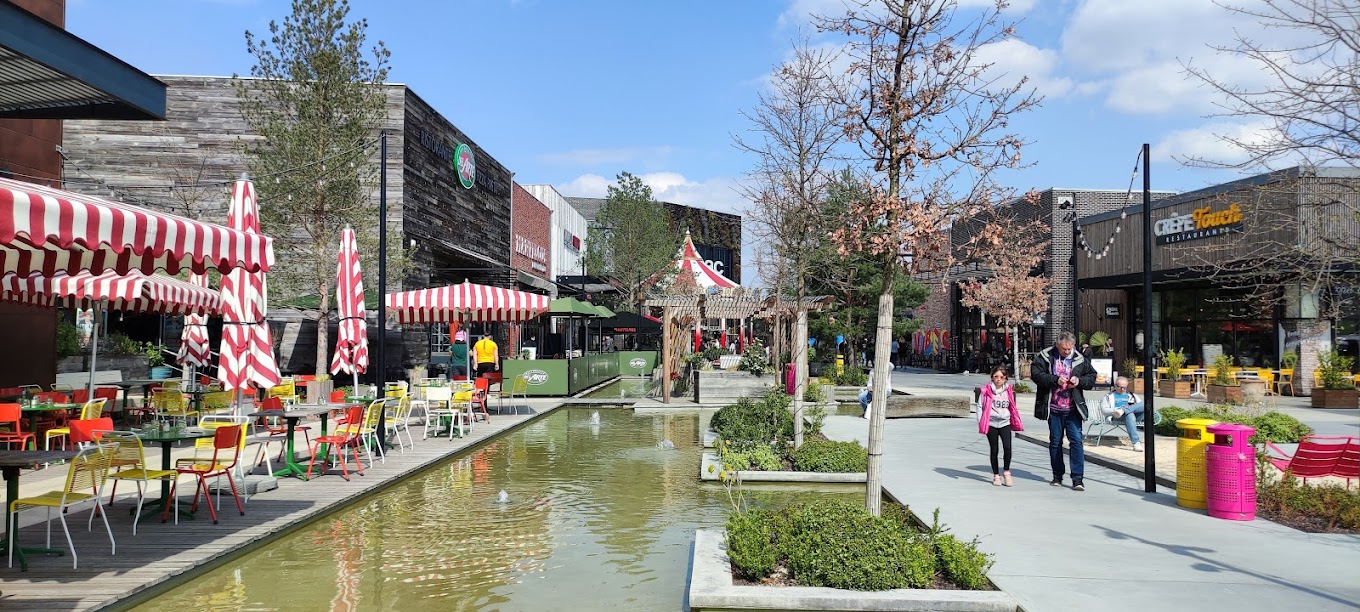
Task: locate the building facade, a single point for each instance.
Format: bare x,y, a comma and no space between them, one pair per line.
448,200
531,243
716,235
568,232
1252,268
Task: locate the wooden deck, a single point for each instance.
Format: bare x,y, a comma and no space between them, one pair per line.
153,560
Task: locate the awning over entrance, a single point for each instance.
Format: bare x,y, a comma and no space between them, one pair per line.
48,73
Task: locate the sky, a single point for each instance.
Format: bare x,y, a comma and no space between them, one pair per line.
573,92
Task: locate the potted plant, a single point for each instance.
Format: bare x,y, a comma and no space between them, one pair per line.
1131,371
1338,388
1223,387
155,360
1172,386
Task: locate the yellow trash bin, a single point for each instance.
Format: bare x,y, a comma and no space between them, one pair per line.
1190,466
840,364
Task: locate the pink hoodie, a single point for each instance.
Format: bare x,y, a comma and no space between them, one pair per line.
985,409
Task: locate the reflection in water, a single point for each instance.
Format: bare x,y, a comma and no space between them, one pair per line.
628,386
594,516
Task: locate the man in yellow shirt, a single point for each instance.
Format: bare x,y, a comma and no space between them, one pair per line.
488,355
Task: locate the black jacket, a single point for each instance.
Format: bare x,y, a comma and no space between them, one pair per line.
1041,372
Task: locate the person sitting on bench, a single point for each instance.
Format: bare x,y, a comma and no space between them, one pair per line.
1120,403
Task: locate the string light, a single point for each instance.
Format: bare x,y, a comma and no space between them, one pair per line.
1085,245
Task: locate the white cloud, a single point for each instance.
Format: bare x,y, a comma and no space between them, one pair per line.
1013,59
586,186
800,11
1210,142
596,157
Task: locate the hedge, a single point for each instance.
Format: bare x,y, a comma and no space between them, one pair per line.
1270,427
827,456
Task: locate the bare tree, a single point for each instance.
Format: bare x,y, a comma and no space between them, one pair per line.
795,132
1009,290
933,125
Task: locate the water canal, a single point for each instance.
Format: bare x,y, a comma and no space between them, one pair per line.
596,515
625,387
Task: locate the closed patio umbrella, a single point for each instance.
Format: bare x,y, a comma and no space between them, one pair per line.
351,349
194,349
247,349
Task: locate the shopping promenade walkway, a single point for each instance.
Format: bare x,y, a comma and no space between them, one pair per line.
1112,547
160,553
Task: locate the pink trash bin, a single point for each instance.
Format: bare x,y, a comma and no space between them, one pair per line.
1230,466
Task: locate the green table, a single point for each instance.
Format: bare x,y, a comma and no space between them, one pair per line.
291,416
167,440
36,410
11,462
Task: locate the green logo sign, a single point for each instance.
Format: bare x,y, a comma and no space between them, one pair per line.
465,165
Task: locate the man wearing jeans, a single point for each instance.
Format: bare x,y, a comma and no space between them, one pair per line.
1121,404
1061,375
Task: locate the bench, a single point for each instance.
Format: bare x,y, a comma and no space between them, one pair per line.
1108,424
1321,456
79,380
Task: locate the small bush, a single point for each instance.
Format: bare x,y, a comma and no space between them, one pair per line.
756,456
840,545
1278,427
827,456
852,376
754,360
1317,508
750,544
813,394
962,562
68,340
815,415
749,421
1022,387
1270,427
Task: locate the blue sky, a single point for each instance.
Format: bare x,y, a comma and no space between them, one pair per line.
573,92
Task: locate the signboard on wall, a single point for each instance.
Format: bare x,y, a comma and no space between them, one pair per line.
719,258
1104,368
1203,222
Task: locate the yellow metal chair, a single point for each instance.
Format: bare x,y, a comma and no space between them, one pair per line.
368,429
519,387
129,463
1267,376
88,471
398,421
218,402
171,404
286,391
1286,379
91,410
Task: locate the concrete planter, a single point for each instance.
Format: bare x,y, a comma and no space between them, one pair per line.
711,460
132,367
1176,389
1336,398
711,588
717,385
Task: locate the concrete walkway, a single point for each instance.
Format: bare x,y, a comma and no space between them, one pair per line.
1112,547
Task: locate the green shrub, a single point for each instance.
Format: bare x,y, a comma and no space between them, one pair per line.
1022,387
749,421
1223,371
852,376
827,456
813,393
68,340
750,543
840,545
1270,427
962,562
754,360
1278,427
1285,499
755,456
1334,370
815,415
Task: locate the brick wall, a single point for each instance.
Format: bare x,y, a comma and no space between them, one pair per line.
530,234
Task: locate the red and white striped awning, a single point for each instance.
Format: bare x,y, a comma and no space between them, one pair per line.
689,262
133,292
46,231
465,302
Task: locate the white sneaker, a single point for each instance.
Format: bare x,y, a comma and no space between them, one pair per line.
1137,447
1118,413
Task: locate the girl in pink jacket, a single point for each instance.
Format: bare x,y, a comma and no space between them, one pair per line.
997,418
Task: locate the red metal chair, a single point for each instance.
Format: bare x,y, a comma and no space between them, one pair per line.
80,396
481,386
345,437
276,429
12,416
83,430
1317,457
337,397
226,451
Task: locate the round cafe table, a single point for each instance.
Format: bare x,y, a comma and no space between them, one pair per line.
11,461
167,440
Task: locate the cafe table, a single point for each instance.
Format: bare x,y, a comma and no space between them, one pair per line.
36,410
167,440
11,461
127,385
291,416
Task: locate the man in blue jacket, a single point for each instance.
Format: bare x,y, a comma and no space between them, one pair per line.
1061,374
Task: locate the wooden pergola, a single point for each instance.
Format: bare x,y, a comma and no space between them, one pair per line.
682,314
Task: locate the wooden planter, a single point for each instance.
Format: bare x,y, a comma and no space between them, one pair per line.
1336,398
1176,389
1138,386
1222,394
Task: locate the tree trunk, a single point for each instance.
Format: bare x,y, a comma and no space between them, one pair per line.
323,329
1015,351
799,354
880,385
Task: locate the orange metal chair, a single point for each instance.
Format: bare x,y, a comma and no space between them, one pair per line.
482,386
226,451
276,429
12,415
344,437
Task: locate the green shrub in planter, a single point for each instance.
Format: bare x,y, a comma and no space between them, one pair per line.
962,562
755,456
1279,428
1270,427
749,421
840,545
827,456
750,543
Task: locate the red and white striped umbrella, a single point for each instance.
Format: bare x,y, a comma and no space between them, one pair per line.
45,230
194,349
351,348
466,302
247,349
133,292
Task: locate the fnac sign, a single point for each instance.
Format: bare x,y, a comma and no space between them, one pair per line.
1204,222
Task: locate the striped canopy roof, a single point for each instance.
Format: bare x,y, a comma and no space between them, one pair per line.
704,275
133,292
46,230
465,302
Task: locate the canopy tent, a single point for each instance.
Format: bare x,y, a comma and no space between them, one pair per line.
570,307
46,230
133,292
465,302
688,262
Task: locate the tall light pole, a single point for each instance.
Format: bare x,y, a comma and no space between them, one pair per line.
1149,372
381,345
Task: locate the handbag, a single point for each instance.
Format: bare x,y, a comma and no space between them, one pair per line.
1040,409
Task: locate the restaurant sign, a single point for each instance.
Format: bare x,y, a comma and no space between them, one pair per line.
1200,223
465,164
536,253
536,377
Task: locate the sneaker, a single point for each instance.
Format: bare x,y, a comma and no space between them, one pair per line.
996,480
1118,413
1137,447
1057,481
1077,485
1007,476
